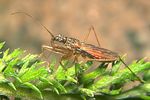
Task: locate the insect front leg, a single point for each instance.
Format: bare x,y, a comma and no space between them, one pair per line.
44,47
60,50
49,48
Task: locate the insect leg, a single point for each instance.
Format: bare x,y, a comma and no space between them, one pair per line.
56,50
92,29
111,60
65,57
49,48
75,60
131,70
45,47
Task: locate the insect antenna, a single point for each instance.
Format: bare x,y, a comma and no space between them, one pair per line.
34,20
131,70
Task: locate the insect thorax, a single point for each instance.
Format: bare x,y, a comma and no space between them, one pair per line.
67,42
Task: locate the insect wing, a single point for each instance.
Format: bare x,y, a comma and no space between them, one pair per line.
98,53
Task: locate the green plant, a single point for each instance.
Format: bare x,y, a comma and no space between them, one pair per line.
26,77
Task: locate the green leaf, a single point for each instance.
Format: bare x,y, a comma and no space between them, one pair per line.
2,65
111,92
32,73
45,80
140,91
1,45
23,69
2,78
12,85
57,85
87,92
16,53
17,80
71,79
30,85
29,58
67,74
52,64
87,65
70,71
60,73
116,67
9,69
7,57
5,54
56,90
19,74
121,76
146,76
94,74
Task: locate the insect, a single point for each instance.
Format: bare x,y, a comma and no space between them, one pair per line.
73,48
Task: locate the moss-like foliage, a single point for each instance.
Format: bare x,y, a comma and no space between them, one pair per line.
25,77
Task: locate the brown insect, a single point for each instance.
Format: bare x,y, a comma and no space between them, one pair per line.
73,48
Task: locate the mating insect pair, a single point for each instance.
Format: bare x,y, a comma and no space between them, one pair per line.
73,48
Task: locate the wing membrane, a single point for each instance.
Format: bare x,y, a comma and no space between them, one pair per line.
98,53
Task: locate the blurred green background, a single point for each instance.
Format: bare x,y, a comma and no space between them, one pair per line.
122,25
